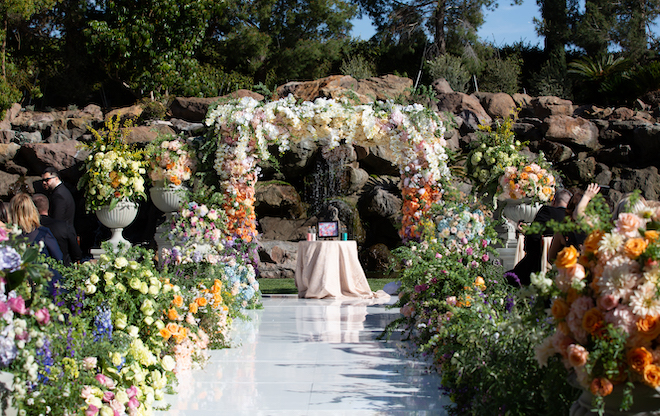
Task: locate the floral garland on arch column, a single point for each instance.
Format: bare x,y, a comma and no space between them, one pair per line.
245,128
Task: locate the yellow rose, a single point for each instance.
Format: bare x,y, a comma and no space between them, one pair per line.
560,308
592,241
566,258
634,247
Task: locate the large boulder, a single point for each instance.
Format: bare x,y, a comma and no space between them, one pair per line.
377,160
498,105
194,109
277,199
61,156
283,229
344,86
646,139
146,134
277,259
576,132
647,180
467,106
551,106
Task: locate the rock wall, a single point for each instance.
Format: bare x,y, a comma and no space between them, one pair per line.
617,147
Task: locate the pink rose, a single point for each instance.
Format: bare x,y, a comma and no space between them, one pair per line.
86,392
3,308
577,355
105,381
108,396
17,305
607,302
438,255
117,406
132,392
89,363
42,316
133,403
485,257
91,410
628,224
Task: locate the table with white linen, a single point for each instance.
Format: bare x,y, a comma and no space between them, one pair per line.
331,269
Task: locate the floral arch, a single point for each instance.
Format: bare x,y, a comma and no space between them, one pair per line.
245,128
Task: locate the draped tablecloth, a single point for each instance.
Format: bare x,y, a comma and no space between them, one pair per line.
331,269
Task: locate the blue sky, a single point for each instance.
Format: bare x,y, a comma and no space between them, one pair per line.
505,26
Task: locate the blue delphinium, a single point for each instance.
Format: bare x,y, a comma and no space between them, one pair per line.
103,324
8,349
46,361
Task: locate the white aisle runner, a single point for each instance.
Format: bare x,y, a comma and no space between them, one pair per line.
310,357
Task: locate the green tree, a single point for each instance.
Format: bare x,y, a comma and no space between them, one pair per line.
148,46
280,40
634,17
450,23
594,29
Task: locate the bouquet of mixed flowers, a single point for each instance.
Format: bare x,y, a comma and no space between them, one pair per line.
527,181
197,224
171,160
114,170
606,308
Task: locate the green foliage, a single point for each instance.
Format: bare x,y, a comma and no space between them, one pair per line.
552,79
358,67
9,94
450,68
501,75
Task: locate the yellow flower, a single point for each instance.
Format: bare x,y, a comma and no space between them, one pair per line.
567,258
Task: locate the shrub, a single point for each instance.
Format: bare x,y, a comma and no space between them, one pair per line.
501,75
450,68
358,67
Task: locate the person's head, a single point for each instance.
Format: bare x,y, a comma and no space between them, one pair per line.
23,212
50,178
562,198
41,202
573,202
625,204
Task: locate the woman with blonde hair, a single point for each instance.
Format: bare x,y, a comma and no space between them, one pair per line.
23,213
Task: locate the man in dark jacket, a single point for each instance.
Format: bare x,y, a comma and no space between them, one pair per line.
532,261
63,232
62,205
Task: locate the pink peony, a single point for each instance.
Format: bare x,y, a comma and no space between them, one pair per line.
91,410
17,305
42,316
108,396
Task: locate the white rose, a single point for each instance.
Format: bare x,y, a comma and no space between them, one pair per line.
168,363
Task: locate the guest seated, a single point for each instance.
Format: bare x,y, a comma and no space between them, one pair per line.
63,232
23,213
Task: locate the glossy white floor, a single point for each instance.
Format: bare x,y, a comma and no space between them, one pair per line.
310,357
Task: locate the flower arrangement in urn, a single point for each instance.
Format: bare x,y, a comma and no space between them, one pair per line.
528,180
171,160
498,167
114,170
606,308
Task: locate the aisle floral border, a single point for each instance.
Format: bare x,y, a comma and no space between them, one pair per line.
245,128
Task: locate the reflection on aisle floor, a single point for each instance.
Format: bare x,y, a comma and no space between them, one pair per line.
310,357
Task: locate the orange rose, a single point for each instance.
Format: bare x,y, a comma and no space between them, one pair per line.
217,298
592,321
172,314
563,327
193,308
165,333
178,301
480,283
651,236
634,247
560,308
648,327
652,375
592,241
639,359
601,387
201,301
566,258
172,327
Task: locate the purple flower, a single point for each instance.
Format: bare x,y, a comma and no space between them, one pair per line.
10,259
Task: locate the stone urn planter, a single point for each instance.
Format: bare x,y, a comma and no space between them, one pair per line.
118,218
520,210
166,198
